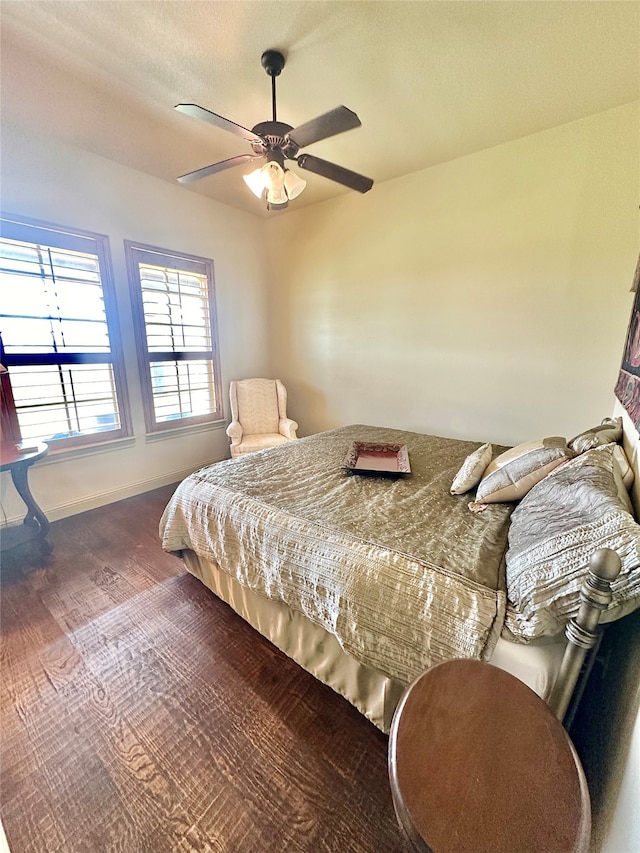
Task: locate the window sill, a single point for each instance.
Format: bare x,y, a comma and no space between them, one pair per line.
64,454
177,432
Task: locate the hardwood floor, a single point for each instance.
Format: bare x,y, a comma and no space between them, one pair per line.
140,713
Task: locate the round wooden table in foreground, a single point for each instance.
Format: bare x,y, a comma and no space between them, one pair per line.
478,762
35,525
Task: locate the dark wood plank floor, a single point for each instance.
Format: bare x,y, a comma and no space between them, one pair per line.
140,713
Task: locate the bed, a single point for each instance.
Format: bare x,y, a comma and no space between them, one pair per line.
367,579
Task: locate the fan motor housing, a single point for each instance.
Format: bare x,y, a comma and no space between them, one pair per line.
275,135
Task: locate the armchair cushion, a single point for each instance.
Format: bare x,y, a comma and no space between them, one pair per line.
251,443
258,405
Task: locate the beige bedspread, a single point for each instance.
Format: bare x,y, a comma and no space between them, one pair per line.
398,570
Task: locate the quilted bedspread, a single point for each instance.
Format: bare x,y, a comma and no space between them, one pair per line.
399,570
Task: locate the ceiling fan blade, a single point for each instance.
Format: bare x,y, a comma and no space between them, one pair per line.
335,173
218,167
195,111
328,124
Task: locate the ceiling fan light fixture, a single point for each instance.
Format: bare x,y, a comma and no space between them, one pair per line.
277,198
275,184
272,205
255,181
273,178
293,184
269,177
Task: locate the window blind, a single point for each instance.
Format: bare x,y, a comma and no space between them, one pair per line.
57,339
176,306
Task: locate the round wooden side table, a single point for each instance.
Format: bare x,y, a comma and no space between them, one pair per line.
478,762
35,525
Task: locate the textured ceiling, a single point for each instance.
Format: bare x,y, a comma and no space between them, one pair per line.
430,80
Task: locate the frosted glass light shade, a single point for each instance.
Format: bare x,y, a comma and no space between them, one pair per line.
255,181
277,196
293,184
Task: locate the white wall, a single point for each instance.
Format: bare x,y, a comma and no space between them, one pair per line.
486,298
68,186
624,831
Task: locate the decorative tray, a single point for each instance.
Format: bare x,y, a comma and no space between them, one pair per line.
364,457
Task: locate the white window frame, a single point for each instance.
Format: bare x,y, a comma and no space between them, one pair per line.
53,236
138,254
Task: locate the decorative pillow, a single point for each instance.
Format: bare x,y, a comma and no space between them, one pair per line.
609,430
471,470
624,466
510,476
553,533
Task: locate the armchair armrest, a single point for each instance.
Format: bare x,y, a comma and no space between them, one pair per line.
287,427
234,431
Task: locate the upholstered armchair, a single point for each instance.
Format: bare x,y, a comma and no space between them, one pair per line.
258,415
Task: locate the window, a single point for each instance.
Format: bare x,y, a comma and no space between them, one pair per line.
174,307
60,334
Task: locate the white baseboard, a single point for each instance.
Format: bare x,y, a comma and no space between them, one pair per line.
98,499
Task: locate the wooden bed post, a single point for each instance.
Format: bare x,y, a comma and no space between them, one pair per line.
582,631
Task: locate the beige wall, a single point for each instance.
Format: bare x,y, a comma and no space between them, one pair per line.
486,298
44,180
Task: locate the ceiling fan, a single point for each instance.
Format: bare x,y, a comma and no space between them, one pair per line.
278,142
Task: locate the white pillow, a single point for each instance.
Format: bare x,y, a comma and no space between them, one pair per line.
471,470
624,466
511,474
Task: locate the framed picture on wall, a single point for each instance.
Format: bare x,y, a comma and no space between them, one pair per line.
627,388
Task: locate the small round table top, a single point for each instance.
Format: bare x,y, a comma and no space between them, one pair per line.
10,453
478,762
